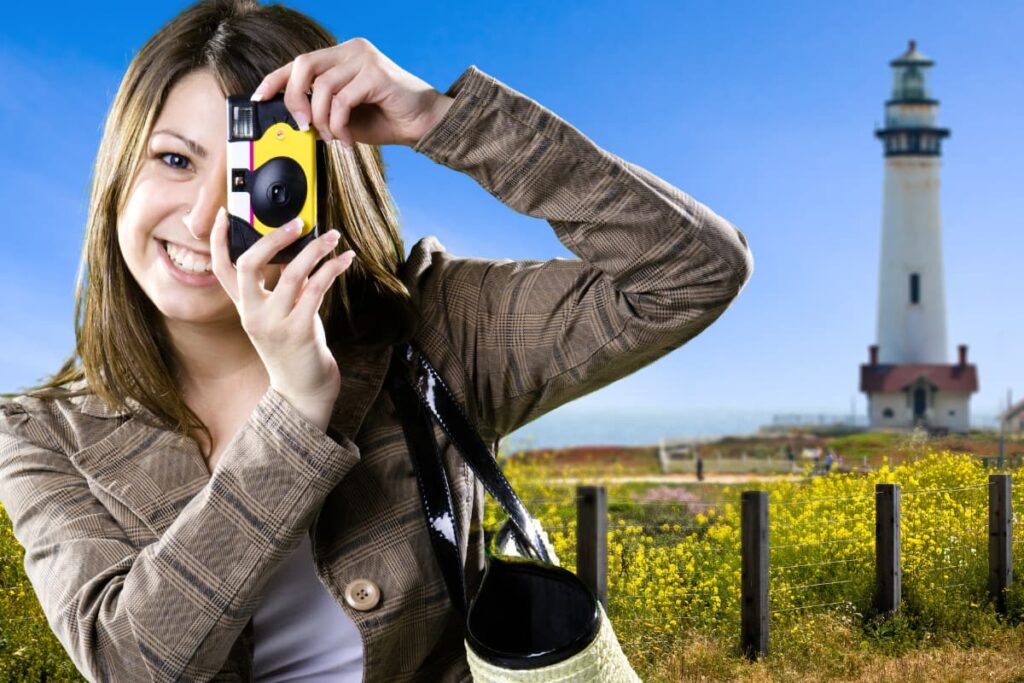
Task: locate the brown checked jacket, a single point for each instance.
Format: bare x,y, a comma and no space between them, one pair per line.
149,569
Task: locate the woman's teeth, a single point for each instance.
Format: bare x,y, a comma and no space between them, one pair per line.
187,260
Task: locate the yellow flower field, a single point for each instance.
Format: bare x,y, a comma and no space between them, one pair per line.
674,566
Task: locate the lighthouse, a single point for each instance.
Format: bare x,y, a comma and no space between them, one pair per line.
908,379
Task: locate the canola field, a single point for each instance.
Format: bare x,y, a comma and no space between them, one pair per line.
674,565
674,560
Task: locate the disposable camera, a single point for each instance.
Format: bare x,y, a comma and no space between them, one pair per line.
273,169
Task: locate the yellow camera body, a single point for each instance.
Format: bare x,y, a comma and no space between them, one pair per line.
272,173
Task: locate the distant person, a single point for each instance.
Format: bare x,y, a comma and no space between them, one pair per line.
700,468
829,458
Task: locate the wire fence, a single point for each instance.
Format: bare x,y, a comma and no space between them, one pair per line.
824,555
651,569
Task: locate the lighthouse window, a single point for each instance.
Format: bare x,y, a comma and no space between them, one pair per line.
887,412
915,288
913,83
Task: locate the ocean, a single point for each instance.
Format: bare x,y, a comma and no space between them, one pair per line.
565,427
572,426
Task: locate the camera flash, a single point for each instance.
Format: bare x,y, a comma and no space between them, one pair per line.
241,122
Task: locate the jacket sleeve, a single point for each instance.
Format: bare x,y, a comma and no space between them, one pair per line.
171,610
655,266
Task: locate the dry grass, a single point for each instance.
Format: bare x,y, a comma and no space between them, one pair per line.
837,657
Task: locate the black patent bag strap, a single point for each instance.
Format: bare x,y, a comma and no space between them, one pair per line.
435,494
436,397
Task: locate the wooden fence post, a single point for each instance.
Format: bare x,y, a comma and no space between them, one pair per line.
1000,538
888,570
592,539
754,560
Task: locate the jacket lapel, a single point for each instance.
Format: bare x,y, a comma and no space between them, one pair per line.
155,472
152,471
362,376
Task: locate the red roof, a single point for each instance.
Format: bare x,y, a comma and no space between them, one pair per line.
888,379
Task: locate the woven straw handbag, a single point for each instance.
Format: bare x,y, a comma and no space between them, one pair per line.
530,620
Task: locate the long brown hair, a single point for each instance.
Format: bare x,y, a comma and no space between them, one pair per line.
122,349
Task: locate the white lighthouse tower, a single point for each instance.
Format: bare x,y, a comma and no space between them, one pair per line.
908,380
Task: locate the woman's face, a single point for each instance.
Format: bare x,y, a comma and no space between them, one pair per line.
174,200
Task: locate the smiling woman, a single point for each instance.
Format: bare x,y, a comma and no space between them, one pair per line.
158,182
162,233
214,486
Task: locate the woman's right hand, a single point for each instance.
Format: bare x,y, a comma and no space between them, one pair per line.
284,324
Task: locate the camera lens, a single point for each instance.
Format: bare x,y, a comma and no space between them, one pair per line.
278,191
278,194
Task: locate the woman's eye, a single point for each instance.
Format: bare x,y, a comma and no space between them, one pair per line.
178,161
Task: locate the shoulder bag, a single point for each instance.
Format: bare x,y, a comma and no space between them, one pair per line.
531,620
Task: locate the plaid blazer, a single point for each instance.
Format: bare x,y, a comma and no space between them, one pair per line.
149,569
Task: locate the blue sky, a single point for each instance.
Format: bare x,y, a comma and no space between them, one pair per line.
763,111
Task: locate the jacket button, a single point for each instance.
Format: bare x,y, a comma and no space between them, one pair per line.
362,594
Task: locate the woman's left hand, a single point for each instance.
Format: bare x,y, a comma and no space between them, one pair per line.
358,95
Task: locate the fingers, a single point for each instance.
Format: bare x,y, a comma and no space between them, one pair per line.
250,264
295,78
290,284
323,73
324,88
344,101
220,256
305,68
313,295
272,83
244,280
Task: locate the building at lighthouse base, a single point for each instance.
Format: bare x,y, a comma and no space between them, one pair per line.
935,396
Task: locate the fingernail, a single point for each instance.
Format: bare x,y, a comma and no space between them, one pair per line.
220,213
256,96
303,122
332,237
294,225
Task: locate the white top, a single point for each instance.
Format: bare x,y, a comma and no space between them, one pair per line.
300,632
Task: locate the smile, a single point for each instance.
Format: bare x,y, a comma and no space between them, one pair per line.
188,260
186,268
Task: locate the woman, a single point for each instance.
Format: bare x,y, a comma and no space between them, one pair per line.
214,486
